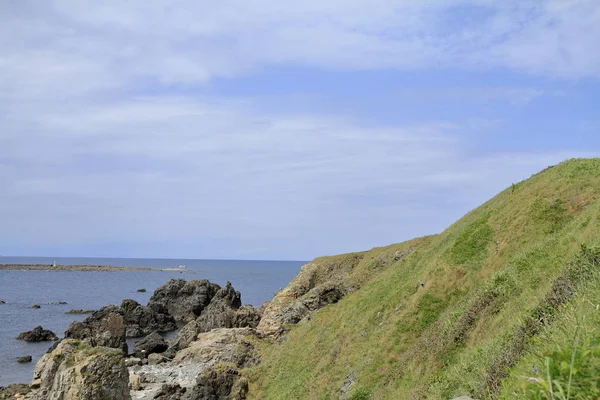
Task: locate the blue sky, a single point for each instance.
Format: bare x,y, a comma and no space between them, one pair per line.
267,130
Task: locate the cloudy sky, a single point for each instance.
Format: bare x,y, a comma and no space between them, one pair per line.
279,130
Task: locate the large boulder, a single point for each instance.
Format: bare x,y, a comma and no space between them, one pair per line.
75,371
219,382
153,343
105,327
142,321
224,311
38,334
233,346
183,300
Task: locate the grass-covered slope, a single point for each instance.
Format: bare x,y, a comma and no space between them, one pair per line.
503,304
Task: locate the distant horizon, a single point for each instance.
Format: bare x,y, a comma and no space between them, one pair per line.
147,258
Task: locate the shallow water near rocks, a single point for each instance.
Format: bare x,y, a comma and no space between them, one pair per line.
256,280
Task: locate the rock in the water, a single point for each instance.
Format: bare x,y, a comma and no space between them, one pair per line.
35,306
141,290
2,302
24,359
75,371
153,343
105,327
59,303
183,300
80,311
38,334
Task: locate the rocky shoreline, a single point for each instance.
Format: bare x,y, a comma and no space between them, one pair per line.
79,268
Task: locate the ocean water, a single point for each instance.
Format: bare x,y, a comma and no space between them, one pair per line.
256,280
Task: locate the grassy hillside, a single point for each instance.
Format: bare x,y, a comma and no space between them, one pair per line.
503,304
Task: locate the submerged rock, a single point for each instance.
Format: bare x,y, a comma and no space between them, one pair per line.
35,306
141,290
38,334
2,302
75,371
80,311
24,359
153,343
183,300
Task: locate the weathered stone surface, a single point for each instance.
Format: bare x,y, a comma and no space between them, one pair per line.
105,327
153,343
183,300
218,383
231,346
224,311
80,311
141,320
170,392
24,359
75,371
38,334
14,390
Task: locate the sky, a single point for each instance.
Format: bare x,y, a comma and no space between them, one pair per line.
279,130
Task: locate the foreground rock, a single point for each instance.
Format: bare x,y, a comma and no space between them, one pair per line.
183,300
153,343
224,311
24,359
105,327
75,371
38,334
209,366
14,391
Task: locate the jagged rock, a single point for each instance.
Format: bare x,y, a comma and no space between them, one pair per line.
141,320
183,300
105,327
231,346
24,359
38,334
224,311
75,371
153,343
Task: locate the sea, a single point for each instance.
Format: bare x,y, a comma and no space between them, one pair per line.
256,280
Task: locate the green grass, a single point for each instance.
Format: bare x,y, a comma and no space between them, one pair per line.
494,284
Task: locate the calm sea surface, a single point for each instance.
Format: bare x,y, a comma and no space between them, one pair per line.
256,280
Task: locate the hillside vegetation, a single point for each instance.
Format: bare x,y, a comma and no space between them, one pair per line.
503,304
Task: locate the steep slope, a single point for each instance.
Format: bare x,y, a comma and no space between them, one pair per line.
461,313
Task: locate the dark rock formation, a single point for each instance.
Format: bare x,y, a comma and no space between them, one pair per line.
183,300
59,303
105,327
141,320
74,371
24,359
224,311
141,290
153,343
2,302
170,392
38,334
35,306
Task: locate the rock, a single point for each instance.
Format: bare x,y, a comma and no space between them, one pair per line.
153,343
11,391
80,311
105,327
155,358
58,303
220,383
463,398
132,361
141,290
24,359
38,334
2,302
142,321
170,392
231,346
36,306
75,371
183,300
135,382
224,311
